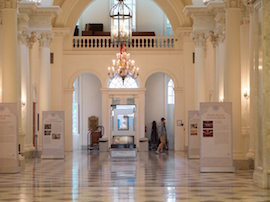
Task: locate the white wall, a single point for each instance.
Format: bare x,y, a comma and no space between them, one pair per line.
156,105
154,100
90,103
169,117
149,16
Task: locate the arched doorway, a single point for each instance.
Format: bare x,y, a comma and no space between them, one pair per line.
86,103
159,102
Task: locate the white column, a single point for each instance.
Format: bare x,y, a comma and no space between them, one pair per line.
67,103
199,79
211,68
188,104
9,55
44,77
106,114
245,87
24,85
232,87
262,64
1,65
45,73
220,63
10,72
179,115
220,47
252,108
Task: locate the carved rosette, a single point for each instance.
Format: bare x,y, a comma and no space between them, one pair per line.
198,38
45,39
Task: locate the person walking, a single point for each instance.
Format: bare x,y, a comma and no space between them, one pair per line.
162,135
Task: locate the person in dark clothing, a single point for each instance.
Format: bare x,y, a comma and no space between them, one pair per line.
154,136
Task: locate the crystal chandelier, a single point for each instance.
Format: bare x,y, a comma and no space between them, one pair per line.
123,65
121,32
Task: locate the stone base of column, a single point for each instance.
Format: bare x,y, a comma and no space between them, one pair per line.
246,164
261,178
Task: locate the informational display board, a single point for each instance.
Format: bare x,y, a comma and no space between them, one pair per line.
216,137
53,133
8,138
193,134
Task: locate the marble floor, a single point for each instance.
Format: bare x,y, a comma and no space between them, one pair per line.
92,176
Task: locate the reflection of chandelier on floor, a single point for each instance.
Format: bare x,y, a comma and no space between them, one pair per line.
121,32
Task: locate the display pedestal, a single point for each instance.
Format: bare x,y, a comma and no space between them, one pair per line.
103,145
123,154
216,137
143,145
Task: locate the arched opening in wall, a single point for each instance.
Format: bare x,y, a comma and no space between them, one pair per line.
95,20
123,112
159,102
117,82
86,103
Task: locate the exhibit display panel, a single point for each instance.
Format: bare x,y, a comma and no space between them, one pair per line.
216,137
53,133
8,138
193,135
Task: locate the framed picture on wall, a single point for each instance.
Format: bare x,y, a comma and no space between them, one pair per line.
123,122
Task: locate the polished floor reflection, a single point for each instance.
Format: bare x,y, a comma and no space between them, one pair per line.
92,176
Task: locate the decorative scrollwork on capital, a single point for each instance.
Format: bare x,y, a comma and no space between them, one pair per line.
27,38
23,37
45,39
32,39
198,38
213,38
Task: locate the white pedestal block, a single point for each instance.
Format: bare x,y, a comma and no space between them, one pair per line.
123,153
103,145
143,145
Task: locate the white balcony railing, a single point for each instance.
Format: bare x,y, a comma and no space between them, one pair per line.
104,42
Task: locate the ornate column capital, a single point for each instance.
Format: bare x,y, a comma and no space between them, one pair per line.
23,37
199,38
32,39
45,39
220,27
213,38
27,38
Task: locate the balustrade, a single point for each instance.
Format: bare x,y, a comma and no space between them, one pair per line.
94,42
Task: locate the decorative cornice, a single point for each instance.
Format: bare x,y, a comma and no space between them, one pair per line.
61,31
233,3
8,3
45,39
199,38
248,2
